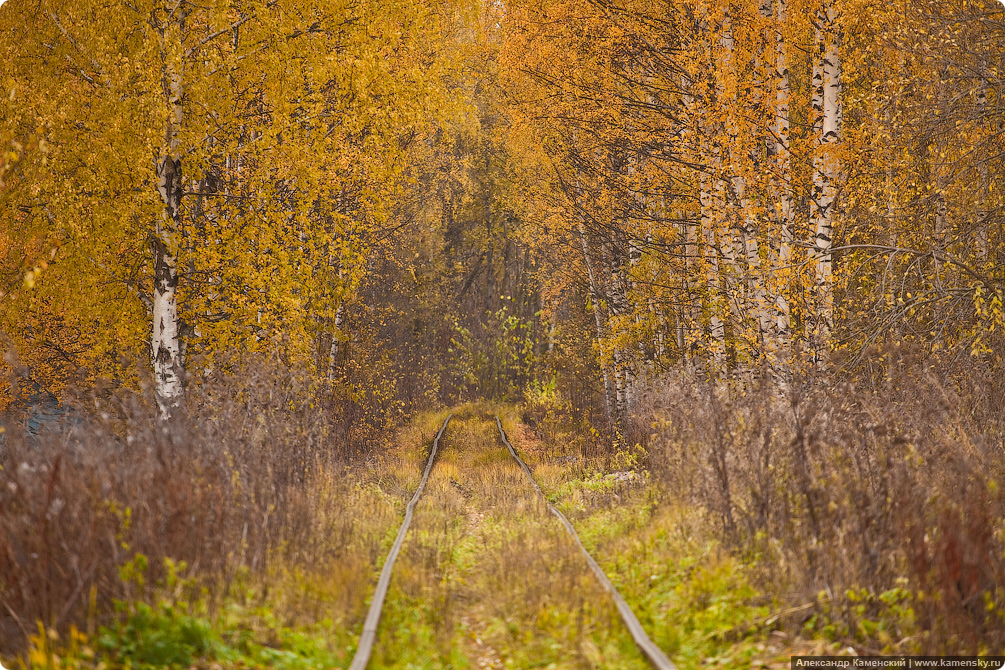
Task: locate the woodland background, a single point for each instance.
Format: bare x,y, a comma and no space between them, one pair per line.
760,242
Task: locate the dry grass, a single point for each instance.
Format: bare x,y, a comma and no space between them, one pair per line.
877,510
248,488
697,600
864,517
487,578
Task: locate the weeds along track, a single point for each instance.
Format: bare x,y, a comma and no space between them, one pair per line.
485,577
366,640
648,647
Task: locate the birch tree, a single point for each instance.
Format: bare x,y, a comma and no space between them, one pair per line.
214,175
827,110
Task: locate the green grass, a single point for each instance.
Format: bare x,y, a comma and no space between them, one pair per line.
170,634
488,578
698,602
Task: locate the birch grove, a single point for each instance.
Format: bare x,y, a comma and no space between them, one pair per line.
766,237
200,190
743,192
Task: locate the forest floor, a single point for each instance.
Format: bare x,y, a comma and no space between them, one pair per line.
487,578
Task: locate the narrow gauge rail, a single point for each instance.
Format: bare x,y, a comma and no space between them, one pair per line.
646,645
366,640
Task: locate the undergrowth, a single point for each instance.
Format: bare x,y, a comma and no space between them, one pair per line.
242,531
865,514
839,521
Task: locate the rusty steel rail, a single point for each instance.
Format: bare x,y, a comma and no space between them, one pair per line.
369,635
647,646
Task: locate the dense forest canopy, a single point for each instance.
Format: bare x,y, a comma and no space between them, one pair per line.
425,201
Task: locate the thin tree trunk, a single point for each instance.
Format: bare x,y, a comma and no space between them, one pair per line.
620,306
983,182
598,321
786,208
688,321
826,170
712,199
551,326
690,312
716,327
165,344
335,348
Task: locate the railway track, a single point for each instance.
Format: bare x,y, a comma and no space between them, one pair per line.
369,635
646,646
652,652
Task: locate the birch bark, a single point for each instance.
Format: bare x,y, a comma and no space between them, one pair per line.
785,211
750,226
688,329
334,349
165,343
712,199
618,306
716,327
826,172
598,320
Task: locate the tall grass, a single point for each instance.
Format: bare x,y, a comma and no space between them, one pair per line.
232,481
879,502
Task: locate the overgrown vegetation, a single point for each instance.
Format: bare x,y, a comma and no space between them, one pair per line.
866,514
881,507
489,579
250,490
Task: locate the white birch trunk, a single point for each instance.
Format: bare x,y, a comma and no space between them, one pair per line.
334,349
685,334
751,225
730,248
826,172
618,306
716,327
734,242
165,345
598,322
623,383
688,328
757,295
714,215
786,208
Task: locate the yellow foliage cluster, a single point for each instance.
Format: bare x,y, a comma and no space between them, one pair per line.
291,123
728,186
741,185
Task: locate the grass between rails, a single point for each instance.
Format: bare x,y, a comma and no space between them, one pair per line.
488,579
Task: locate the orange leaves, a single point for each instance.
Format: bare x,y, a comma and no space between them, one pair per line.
704,151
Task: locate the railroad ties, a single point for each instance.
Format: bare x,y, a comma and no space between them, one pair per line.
649,649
